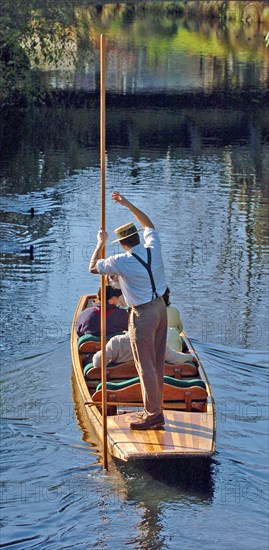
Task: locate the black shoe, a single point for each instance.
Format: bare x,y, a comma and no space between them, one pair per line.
148,423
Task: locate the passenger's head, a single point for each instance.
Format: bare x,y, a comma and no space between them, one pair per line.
112,295
166,297
127,235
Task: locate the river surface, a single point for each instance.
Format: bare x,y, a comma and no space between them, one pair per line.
201,173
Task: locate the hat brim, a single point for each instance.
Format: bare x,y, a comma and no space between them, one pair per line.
127,236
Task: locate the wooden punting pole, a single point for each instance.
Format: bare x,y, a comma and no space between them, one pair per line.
103,225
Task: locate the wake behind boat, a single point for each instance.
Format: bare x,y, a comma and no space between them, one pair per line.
188,403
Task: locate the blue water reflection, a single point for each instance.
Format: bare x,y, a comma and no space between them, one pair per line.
201,173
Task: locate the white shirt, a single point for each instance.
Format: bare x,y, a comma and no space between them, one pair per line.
173,318
134,279
118,350
174,339
175,326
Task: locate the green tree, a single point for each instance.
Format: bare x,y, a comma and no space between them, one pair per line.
30,32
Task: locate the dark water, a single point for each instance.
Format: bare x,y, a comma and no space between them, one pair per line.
201,174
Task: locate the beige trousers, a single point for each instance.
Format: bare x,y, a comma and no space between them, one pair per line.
148,332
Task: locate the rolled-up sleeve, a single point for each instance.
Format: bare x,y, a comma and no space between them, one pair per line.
107,266
151,236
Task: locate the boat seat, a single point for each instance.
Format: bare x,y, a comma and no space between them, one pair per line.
114,371
181,370
122,371
90,343
177,394
167,380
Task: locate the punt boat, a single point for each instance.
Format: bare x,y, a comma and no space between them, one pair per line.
188,403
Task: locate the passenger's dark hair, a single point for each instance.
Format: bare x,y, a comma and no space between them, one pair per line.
131,241
166,296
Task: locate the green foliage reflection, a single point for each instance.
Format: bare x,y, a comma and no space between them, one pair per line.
37,35
31,32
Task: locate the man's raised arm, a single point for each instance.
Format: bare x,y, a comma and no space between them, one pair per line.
141,217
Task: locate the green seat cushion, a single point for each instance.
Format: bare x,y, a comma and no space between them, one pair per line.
190,363
88,338
114,386
94,338
87,368
184,383
90,366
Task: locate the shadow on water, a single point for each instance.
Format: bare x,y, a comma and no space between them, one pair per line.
157,489
187,477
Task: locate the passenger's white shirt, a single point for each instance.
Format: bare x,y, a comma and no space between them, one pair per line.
175,326
118,350
134,279
173,318
174,339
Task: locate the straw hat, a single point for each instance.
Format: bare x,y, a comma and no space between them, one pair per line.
125,231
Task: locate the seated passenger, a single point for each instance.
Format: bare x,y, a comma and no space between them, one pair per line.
174,339
113,281
89,320
118,350
174,324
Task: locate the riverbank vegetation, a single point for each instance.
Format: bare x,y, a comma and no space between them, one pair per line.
39,34
227,10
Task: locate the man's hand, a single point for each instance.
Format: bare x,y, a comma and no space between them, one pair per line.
142,218
102,237
120,199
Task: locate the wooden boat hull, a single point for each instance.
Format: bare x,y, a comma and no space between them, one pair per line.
186,433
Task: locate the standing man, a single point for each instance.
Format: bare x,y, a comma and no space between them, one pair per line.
142,280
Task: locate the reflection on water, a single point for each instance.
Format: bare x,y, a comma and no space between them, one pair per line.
165,497
210,170
202,173
147,51
159,488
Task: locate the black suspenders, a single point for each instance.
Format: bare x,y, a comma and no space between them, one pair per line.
148,268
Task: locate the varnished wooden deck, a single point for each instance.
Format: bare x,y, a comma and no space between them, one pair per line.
185,433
